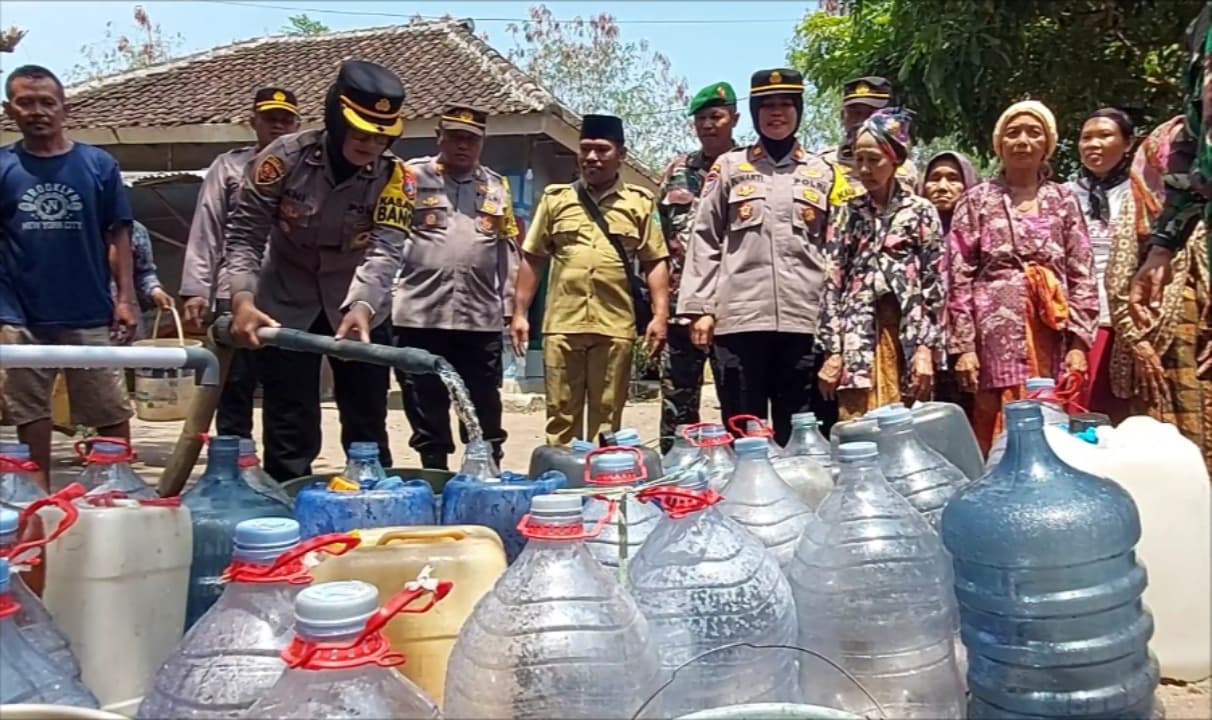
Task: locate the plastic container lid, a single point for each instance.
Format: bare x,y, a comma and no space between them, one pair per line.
1023,413
394,483
8,521
363,451
581,446
1084,421
264,539
627,437
15,449
335,609
248,446
713,430
752,446
614,462
891,415
804,419
853,451
109,448
224,444
1040,383
3,576
556,509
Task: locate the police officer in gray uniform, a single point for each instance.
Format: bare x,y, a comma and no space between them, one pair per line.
204,283
454,296
335,209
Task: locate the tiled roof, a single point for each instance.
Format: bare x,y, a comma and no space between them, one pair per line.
440,63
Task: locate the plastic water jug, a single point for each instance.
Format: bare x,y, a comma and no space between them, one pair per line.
862,429
806,440
338,506
698,567
630,437
1049,588
765,505
1166,476
470,556
715,443
362,465
27,674
806,464
1054,414
681,453
339,664
107,468
33,618
617,467
123,566
217,502
256,477
918,472
244,632
557,637
478,462
498,505
873,588
754,426
17,484
570,461
944,427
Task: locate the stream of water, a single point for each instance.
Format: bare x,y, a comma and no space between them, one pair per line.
462,401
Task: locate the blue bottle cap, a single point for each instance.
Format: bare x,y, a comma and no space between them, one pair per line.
891,415
109,448
264,539
8,521
555,508
614,462
3,576
17,450
1023,413
248,446
803,420
581,446
1040,383
224,443
853,451
714,430
363,451
755,446
335,609
627,437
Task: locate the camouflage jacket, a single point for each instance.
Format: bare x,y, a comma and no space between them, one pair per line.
681,184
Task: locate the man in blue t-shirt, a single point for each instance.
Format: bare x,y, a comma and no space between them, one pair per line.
65,235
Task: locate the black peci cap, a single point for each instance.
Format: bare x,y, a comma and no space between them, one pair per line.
602,127
372,98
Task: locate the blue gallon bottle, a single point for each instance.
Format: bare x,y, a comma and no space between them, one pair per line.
217,502
496,503
341,506
1048,586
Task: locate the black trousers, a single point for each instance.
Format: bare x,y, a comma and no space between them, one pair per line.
681,382
235,413
476,356
770,374
290,405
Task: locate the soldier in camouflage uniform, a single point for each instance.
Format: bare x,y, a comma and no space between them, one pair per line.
715,116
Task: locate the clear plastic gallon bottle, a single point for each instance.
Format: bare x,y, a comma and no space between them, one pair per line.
873,588
715,443
557,637
921,474
617,467
806,464
762,502
806,439
17,484
363,466
754,426
256,477
681,453
107,469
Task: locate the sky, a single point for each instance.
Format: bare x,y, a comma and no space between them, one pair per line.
706,41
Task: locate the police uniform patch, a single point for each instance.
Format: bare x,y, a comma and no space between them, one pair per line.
270,169
360,240
431,219
745,167
394,207
745,211
811,195
745,190
487,223
809,213
430,200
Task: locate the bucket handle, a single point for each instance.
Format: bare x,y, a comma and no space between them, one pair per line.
176,323
408,536
762,646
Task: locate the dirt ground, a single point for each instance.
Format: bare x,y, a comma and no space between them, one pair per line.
154,442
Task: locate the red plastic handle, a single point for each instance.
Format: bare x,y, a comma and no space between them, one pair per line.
641,472
84,450
65,501
734,423
106,499
679,502
694,435
8,463
533,531
1069,387
288,567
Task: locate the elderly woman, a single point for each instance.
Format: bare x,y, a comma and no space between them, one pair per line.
883,297
1022,299
1154,359
1104,189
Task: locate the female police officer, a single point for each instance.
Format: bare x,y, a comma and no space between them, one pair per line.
334,210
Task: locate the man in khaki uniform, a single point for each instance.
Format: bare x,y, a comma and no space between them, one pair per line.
334,211
755,266
860,98
590,321
204,284
454,295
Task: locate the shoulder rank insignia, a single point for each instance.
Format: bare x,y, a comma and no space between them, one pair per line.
745,190
430,200
745,167
270,170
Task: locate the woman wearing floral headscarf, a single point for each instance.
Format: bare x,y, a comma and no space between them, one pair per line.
1154,361
1022,299
883,296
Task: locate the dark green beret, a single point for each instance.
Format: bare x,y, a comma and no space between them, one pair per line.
714,94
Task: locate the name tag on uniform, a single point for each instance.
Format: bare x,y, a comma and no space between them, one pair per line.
394,206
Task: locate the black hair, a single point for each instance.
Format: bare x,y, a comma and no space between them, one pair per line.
33,72
1127,128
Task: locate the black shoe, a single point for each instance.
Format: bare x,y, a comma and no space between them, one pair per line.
434,462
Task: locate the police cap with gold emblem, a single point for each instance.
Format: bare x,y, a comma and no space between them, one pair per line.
275,98
465,118
780,81
872,91
371,97
718,94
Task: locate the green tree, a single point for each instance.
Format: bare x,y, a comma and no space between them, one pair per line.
959,63
118,52
591,69
304,25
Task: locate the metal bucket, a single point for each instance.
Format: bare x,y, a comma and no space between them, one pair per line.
55,712
762,711
436,478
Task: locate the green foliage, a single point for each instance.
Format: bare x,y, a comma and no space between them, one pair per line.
591,69
304,25
959,63
118,52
